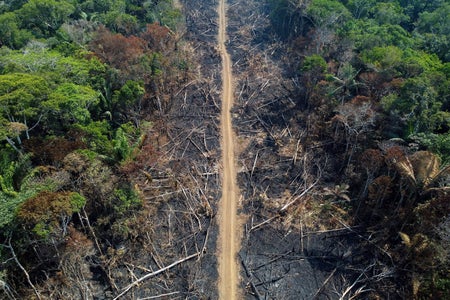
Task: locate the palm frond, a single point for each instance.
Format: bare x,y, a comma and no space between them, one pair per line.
426,167
405,238
405,168
445,172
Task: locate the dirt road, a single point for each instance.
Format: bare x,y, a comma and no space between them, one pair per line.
228,221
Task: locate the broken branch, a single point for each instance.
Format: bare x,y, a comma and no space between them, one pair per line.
136,282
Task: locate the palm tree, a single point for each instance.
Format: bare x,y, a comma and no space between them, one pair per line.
338,192
422,170
345,82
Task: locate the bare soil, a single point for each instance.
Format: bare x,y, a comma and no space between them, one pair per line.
228,220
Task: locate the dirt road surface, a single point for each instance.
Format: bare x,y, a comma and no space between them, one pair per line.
228,220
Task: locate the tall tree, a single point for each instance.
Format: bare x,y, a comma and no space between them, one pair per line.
70,103
21,96
10,33
44,17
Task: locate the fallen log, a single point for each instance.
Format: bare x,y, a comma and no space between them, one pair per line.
250,277
149,275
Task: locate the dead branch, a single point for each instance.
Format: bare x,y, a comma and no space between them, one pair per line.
184,87
198,148
287,205
153,254
149,275
159,296
250,276
278,257
294,158
366,239
358,280
254,164
316,295
273,280
347,228
7,290
14,256
264,222
94,236
264,125
137,267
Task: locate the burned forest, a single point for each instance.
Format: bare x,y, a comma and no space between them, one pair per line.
224,149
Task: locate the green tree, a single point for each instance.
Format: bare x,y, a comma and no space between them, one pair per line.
120,22
419,106
128,95
98,136
436,21
422,96
12,5
327,13
10,33
417,62
366,34
93,7
315,64
13,186
162,12
9,168
389,13
383,58
44,17
70,103
360,8
413,8
21,96
345,82
433,29
81,68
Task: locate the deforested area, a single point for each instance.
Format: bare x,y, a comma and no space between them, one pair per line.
342,115
114,116
109,149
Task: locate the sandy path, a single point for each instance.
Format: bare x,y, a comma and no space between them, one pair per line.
228,221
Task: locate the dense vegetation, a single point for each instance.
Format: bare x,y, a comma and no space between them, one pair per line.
79,82
374,88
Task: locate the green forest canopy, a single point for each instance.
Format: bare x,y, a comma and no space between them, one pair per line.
72,73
